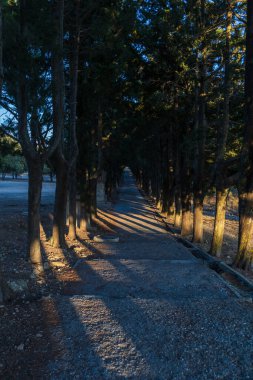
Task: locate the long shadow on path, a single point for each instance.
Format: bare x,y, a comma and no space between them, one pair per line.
132,314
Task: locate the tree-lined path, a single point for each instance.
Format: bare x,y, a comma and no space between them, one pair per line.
119,96
145,308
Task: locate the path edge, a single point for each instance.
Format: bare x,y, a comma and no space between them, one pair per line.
213,263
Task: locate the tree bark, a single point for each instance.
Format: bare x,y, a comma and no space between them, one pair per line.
171,175
223,131
61,194
34,152
186,228
221,190
201,126
58,161
85,223
93,196
186,183
32,158
177,165
244,256
72,204
198,218
219,223
73,113
35,168
178,209
164,170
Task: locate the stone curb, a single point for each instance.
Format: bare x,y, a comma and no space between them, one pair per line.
215,264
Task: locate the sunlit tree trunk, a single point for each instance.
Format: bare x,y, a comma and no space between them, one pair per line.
186,227
221,190
73,114
244,256
35,167
219,223
58,160
34,198
33,149
198,192
185,182
198,217
60,203
72,204
186,196
32,157
178,208
93,196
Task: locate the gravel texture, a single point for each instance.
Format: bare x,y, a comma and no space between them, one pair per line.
147,309
143,308
138,338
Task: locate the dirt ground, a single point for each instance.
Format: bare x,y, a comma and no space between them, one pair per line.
23,325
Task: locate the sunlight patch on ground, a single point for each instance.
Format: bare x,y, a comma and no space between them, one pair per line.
108,338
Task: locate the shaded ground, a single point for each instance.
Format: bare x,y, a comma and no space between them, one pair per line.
143,308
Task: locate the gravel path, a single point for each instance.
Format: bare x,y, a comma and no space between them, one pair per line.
145,308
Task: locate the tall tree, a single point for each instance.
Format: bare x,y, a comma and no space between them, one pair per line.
58,160
244,256
73,145
221,188
30,136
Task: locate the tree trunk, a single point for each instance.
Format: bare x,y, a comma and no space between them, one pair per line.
198,218
93,196
177,174
73,112
221,190
58,160
33,150
245,254
201,129
35,169
178,209
223,130
88,200
61,194
145,184
219,223
244,258
164,170
85,223
171,207
186,228
72,205
186,186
